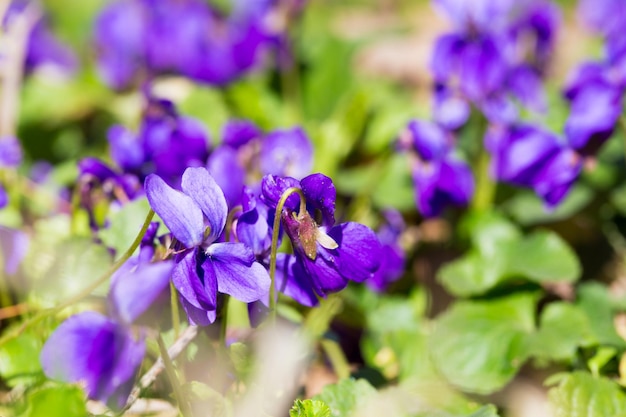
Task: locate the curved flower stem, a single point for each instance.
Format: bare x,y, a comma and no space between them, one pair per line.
229,221
183,406
87,291
337,358
274,248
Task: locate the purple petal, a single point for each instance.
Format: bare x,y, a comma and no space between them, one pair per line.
320,194
253,229
559,174
482,68
201,293
430,140
202,188
10,152
446,55
125,148
91,348
273,187
237,133
359,251
224,166
391,268
526,84
451,112
237,273
286,153
179,212
14,246
132,292
198,316
293,281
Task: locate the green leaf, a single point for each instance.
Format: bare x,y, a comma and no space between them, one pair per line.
594,300
563,328
344,396
309,408
19,364
485,411
601,358
56,401
473,274
581,394
528,209
124,225
545,257
480,345
76,263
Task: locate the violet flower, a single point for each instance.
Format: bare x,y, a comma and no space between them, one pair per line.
326,256
43,48
441,178
197,217
105,352
528,156
392,255
166,144
140,39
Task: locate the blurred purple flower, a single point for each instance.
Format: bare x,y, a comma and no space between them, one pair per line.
527,156
140,39
104,352
441,179
326,256
166,144
392,256
197,217
13,246
286,153
43,48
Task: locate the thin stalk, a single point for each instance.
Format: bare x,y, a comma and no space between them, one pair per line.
485,186
175,310
274,248
622,125
224,319
337,358
229,221
183,406
85,292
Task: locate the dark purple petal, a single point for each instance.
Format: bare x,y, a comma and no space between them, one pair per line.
430,140
199,292
224,166
119,39
237,273
320,194
324,275
525,83
519,152
392,263
202,188
91,348
482,68
14,246
95,168
286,153
273,187
499,109
179,212
237,133
293,281
451,112
125,148
559,174
254,231
133,291
594,112
446,55
198,316
359,251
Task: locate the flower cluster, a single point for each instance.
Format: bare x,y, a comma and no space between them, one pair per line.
139,39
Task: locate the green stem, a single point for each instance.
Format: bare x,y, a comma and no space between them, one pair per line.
229,221
337,358
224,319
183,406
274,248
175,310
485,186
87,291
622,124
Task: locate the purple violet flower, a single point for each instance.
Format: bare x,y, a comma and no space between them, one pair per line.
528,156
167,143
197,217
392,255
140,39
326,256
104,353
441,179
